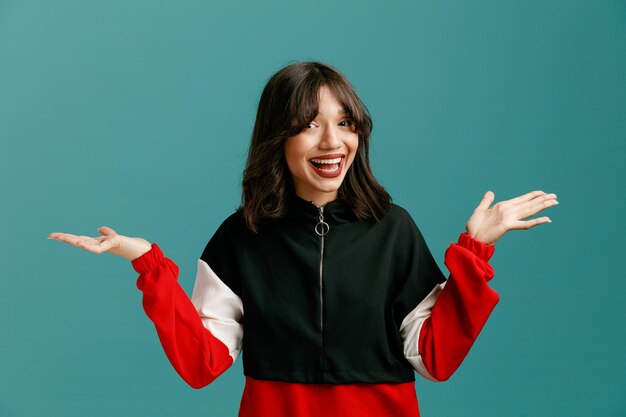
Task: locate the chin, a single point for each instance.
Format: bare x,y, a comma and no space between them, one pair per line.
330,188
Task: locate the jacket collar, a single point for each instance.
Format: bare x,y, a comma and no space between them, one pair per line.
335,212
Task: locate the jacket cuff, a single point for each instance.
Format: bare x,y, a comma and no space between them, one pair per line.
148,261
483,250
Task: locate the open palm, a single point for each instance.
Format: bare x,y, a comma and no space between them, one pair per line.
110,241
488,224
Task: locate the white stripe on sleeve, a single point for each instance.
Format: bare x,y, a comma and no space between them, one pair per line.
220,309
411,327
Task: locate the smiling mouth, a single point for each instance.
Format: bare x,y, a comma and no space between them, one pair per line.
327,167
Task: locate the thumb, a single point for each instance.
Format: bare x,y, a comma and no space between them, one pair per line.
487,200
106,231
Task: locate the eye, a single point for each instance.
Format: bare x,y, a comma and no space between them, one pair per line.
346,122
310,125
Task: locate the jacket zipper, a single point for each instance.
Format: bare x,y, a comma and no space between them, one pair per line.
321,229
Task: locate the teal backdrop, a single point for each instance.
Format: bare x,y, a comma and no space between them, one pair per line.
137,115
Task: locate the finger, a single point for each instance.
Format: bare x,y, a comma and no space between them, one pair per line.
527,224
54,235
106,231
526,197
533,207
63,237
541,198
71,239
486,201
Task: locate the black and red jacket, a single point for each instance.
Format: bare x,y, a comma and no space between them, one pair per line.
333,313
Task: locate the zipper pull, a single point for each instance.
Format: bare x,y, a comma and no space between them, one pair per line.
322,228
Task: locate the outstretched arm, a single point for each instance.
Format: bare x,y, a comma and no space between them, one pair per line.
440,331
202,336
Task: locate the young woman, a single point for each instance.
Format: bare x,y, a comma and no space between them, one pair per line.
337,294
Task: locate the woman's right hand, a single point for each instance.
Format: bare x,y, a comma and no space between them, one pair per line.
124,246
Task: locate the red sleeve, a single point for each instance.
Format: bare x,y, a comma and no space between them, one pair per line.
461,310
197,355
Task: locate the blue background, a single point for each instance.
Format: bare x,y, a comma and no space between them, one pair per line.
137,115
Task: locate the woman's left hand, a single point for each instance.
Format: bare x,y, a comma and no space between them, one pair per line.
488,224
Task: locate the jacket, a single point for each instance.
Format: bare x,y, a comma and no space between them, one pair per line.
330,301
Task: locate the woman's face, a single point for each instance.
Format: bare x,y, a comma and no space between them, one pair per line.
319,157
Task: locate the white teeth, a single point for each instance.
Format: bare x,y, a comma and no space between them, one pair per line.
327,161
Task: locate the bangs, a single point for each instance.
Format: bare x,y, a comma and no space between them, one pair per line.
304,102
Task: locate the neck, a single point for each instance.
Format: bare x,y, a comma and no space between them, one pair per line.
319,199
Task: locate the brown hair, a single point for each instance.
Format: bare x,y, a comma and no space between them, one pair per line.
288,104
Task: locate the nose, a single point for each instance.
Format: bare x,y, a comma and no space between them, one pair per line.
330,138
